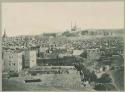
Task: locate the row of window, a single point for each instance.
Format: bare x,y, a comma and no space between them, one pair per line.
12,63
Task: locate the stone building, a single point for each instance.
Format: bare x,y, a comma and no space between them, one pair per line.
12,60
29,58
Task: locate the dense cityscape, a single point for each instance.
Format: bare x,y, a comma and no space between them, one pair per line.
91,59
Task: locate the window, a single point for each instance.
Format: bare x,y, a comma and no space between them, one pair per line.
14,64
10,63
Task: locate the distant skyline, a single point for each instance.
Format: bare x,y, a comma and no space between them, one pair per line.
32,18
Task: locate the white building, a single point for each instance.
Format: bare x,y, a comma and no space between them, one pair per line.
29,58
77,52
12,60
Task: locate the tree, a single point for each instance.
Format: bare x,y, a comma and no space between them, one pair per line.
84,54
104,83
105,78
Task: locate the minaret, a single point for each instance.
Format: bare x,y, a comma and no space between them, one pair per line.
26,42
4,35
71,26
74,28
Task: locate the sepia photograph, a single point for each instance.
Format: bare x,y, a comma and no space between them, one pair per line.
62,46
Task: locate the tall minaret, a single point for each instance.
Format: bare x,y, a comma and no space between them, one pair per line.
71,24
74,28
4,35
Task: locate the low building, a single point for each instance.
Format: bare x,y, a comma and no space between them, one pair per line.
12,60
42,51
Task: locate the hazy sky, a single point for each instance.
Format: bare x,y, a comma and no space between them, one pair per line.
35,17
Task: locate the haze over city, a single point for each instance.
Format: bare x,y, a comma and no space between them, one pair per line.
36,18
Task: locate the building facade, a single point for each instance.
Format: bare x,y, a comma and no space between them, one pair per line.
12,61
29,58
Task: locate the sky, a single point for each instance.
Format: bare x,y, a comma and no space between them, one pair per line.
32,18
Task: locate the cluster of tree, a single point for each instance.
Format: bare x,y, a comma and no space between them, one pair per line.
102,83
87,75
